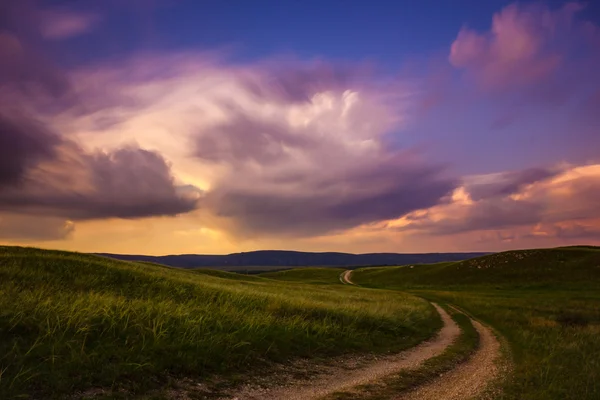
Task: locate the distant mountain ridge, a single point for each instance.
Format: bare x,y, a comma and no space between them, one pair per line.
284,258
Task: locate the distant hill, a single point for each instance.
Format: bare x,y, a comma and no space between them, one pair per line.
280,258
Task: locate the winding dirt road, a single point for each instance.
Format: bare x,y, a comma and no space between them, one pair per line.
340,378
345,277
466,381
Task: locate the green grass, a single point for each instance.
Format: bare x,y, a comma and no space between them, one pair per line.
546,303
554,339
225,274
307,275
70,321
459,351
576,268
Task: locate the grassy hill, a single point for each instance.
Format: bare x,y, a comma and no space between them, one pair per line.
70,322
546,303
307,275
564,267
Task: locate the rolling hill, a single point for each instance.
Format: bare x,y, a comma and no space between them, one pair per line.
544,302
562,267
73,322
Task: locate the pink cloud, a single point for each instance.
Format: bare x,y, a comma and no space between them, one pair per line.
562,203
527,44
64,24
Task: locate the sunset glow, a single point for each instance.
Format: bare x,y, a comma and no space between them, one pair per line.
138,141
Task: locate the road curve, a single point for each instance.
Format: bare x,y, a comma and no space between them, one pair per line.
340,378
469,379
345,277
466,381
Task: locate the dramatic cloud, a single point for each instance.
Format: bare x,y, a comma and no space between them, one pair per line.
47,175
317,167
296,151
528,87
317,203
282,152
23,144
565,204
527,44
484,215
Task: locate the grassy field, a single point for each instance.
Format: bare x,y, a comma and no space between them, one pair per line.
71,322
307,275
562,268
546,303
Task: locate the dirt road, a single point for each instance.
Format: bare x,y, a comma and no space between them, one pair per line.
464,382
339,378
345,277
467,380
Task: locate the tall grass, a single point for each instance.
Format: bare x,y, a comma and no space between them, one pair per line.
554,337
545,302
70,321
575,267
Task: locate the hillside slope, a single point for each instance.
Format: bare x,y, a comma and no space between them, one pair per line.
70,322
546,303
564,267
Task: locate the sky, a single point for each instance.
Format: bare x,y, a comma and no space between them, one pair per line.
183,126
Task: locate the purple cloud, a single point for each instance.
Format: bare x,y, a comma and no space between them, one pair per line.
299,151
526,45
324,204
45,174
507,183
559,199
23,144
319,166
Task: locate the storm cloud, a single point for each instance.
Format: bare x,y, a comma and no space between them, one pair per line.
312,204
313,166
48,175
23,144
